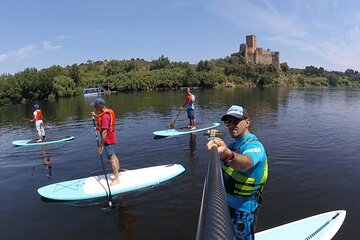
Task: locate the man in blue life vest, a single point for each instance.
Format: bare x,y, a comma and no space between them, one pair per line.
245,170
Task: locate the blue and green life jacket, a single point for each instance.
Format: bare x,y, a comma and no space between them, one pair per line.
239,184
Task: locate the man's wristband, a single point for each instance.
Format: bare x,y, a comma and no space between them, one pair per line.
229,158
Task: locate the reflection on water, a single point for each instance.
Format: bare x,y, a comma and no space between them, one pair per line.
311,135
47,162
126,221
192,145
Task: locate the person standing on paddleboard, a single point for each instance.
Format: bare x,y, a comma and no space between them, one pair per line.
39,124
245,170
106,126
190,108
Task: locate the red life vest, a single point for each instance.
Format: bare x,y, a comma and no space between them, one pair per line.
188,99
112,121
39,115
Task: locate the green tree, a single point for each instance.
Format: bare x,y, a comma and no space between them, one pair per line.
333,80
10,91
74,73
204,66
64,86
162,62
284,67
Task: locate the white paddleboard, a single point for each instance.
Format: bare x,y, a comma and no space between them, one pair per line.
184,130
96,186
319,227
50,140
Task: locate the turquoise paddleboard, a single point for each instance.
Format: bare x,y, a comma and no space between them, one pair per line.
96,186
184,130
322,226
50,140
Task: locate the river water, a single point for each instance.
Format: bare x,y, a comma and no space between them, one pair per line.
312,137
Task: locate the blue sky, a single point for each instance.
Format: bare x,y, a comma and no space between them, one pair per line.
42,33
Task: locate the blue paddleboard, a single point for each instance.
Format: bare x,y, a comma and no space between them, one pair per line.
96,186
184,130
50,140
322,226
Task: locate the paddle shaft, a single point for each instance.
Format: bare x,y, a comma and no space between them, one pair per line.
214,219
27,119
102,163
172,123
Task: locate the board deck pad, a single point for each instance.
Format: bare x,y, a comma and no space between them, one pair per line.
50,140
184,130
96,186
322,226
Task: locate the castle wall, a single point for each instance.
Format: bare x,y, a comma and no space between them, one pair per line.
264,57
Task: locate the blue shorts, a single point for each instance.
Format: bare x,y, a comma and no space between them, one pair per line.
190,113
243,223
109,150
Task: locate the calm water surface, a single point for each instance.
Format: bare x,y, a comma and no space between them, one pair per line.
312,137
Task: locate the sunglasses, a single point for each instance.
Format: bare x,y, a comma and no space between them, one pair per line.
232,123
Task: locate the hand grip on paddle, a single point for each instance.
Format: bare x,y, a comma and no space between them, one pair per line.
211,143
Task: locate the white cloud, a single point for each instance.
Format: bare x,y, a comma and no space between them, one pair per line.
3,57
24,51
61,37
47,46
257,16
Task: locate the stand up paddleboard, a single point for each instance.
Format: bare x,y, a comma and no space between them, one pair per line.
50,140
322,226
184,130
95,186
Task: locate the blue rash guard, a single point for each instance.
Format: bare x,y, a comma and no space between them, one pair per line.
256,151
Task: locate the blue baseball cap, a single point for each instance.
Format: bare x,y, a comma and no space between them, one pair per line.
98,102
36,106
237,112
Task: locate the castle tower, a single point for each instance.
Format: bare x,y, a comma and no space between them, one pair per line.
276,59
251,43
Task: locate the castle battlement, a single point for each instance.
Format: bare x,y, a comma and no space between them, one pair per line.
252,54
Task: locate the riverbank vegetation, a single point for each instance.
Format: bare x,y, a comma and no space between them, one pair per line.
137,74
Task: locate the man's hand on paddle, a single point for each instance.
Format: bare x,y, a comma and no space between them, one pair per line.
93,114
100,149
218,142
223,150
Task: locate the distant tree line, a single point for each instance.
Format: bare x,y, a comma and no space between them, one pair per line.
137,74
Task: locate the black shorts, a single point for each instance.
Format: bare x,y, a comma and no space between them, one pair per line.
190,113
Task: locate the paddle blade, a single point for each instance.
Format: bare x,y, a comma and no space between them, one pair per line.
172,124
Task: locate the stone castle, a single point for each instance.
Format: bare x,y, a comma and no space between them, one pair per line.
252,54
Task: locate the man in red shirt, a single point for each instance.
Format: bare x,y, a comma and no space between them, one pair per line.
190,108
106,126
